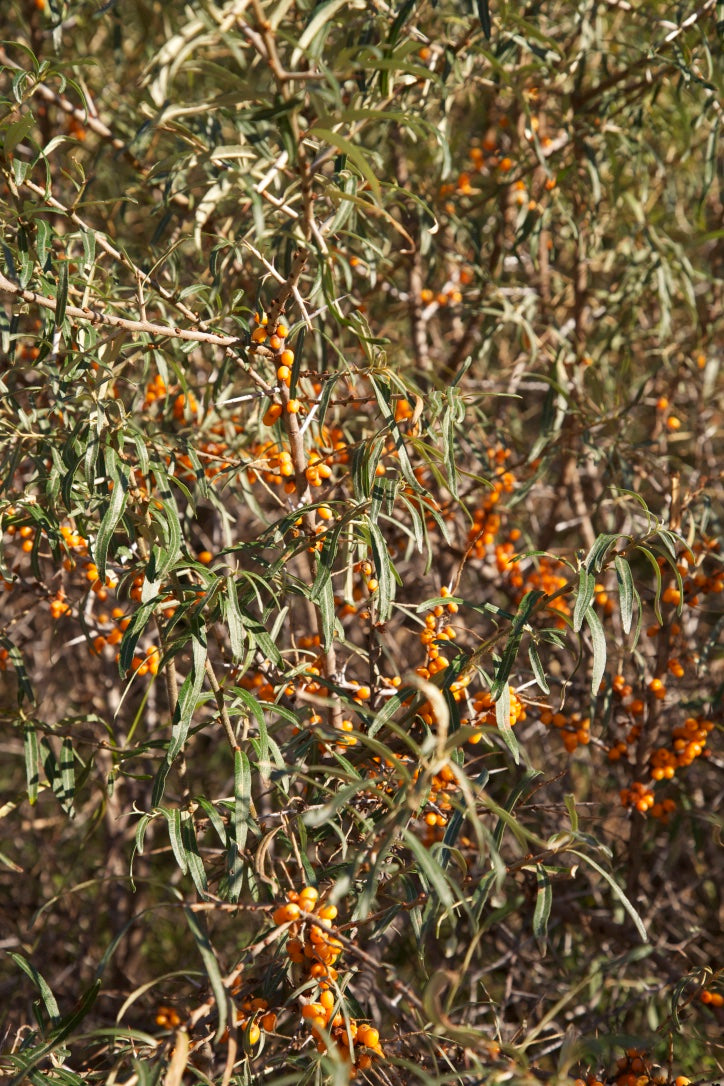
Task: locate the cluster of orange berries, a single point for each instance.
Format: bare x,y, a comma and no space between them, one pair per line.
118,620
74,541
437,630
486,519
167,1017
549,576
638,796
25,533
451,295
253,1018
311,942
184,405
635,707
274,341
279,466
635,1069
484,710
318,469
111,625
346,727
59,606
437,809
98,587
148,664
183,465
156,389
574,728
347,1034
257,683
688,741
313,946
437,803
712,999
696,580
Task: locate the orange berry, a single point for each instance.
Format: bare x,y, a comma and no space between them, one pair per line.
272,413
368,1036
314,1010
295,950
294,407
286,913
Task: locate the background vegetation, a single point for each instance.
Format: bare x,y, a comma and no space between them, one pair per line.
361,664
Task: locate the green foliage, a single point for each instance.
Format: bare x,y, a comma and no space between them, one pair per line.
358,533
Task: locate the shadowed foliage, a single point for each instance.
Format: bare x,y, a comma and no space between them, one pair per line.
360,642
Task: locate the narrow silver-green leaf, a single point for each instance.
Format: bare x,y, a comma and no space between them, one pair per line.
67,775
624,580
537,666
61,300
586,589
114,511
188,697
197,927
239,825
617,891
234,621
191,851
543,902
502,719
49,1001
32,762
382,563
570,801
598,640
173,820
430,870
657,576
595,558
510,652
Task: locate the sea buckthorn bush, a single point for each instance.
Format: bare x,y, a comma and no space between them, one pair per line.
360,645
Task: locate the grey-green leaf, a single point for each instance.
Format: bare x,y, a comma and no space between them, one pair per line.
598,639
624,580
586,589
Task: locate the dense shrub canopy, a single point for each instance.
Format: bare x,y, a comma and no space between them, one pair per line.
360,681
